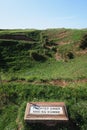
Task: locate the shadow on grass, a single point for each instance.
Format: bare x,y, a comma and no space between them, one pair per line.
62,126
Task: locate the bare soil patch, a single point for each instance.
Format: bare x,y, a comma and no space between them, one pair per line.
58,56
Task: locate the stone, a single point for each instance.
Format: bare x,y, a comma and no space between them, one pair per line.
46,112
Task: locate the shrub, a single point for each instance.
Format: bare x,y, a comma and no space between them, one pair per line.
83,44
70,55
38,57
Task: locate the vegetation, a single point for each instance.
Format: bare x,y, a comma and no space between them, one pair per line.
14,96
43,65
83,44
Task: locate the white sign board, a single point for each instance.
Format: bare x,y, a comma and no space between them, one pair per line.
46,110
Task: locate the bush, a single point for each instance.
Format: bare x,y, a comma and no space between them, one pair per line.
83,44
38,57
70,55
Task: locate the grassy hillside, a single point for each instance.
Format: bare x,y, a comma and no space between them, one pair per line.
43,65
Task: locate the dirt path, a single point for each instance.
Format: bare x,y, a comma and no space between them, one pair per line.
56,82
82,52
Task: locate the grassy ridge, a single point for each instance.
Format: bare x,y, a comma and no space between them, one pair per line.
35,59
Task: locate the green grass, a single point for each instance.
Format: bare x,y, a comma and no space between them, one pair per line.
17,95
60,70
15,31
8,117
71,70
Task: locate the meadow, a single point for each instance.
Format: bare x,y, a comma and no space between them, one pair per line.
45,65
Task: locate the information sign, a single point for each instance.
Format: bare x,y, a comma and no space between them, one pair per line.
46,110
